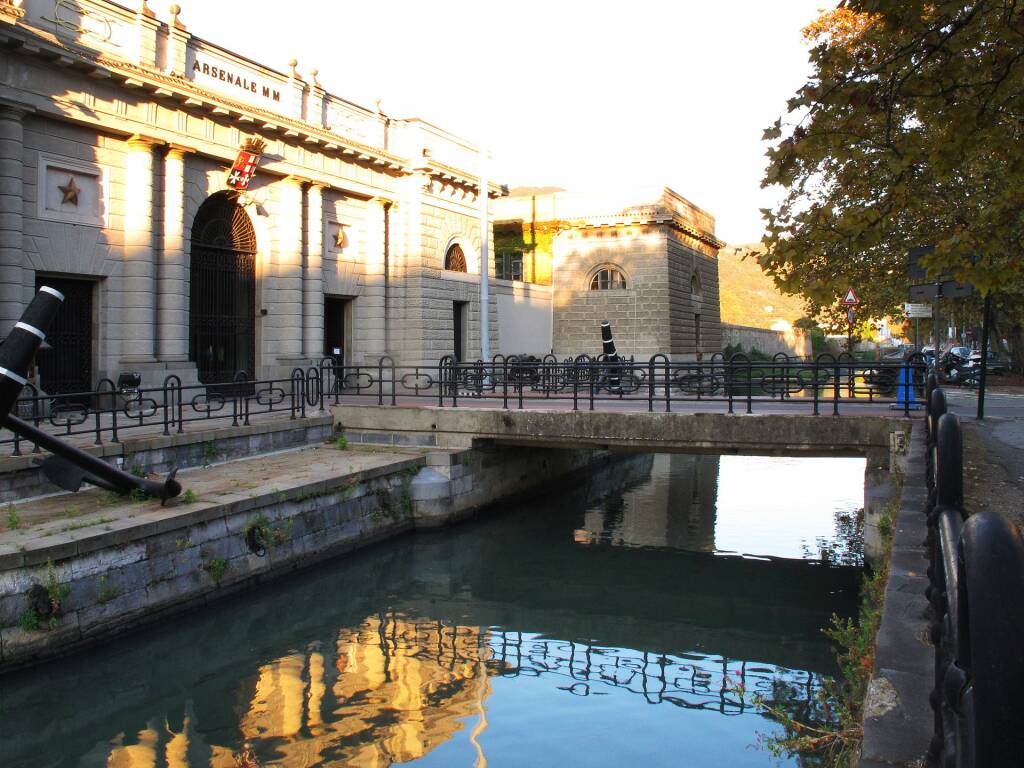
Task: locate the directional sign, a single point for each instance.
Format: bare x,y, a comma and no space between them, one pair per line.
917,310
850,316
851,299
950,289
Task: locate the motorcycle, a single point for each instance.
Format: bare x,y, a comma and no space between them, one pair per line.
957,369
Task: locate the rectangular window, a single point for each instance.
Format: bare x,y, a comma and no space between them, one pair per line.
508,265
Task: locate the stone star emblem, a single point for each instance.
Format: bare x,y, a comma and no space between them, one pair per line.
339,238
70,191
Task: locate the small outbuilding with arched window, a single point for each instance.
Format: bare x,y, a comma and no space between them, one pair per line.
645,260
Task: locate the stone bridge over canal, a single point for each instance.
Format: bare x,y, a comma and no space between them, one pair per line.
871,436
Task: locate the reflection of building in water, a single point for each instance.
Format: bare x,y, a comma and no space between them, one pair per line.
390,691
676,509
158,745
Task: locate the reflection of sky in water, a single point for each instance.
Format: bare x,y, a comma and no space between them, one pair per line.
593,627
781,507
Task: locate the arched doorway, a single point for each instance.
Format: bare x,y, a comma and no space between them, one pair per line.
222,318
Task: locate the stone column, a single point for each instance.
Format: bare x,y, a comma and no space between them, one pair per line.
313,275
138,283
286,321
172,269
11,175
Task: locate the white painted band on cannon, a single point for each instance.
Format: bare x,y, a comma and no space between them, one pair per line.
31,329
53,292
13,376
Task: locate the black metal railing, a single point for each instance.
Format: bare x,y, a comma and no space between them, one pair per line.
822,384
976,590
825,384
107,412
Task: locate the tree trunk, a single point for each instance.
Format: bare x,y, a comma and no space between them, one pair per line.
1016,339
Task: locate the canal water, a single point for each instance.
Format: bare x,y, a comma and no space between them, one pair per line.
630,620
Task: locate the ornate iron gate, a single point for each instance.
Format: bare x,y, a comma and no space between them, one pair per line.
67,367
222,324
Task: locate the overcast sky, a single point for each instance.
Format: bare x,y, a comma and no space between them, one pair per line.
581,95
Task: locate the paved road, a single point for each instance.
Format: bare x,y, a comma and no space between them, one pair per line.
1002,427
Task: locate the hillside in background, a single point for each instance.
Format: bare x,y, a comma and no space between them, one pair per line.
749,297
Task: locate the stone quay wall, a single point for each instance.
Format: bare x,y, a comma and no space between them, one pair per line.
157,564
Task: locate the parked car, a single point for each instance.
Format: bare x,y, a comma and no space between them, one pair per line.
995,364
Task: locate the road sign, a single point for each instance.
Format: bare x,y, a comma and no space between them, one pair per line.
851,299
850,315
950,289
917,310
918,272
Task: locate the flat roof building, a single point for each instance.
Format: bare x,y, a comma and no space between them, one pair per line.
358,231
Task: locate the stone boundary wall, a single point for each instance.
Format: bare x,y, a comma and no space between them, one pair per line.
21,479
794,342
174,559
898,720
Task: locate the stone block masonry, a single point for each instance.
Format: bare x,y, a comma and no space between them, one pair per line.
117,566
21,478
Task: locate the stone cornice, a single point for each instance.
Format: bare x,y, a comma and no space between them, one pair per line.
443,173
189,96
648,215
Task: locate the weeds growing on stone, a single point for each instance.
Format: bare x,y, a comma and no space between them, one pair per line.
138,495
28,620
341,443
57,591
13,519
217,567
106,592
188,497
209,451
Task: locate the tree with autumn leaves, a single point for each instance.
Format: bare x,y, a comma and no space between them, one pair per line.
909,132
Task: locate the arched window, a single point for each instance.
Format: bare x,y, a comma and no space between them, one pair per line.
608,279
695,284
455,259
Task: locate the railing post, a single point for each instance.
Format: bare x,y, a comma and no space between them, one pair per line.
836,390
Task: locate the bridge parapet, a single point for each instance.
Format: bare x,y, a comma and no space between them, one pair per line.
768,434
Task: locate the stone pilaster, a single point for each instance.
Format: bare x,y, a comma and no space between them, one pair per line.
138,276
373,324
315,102
148,27
313,275
172,269
177,43
286,340
296,93
11,175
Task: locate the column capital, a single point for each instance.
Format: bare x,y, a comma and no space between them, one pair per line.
138,141
178,151
296,180
14,110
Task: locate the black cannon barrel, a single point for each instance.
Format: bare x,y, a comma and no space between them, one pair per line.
607,340
20,346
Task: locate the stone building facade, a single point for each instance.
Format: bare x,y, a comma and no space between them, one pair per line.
116,133
645,260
